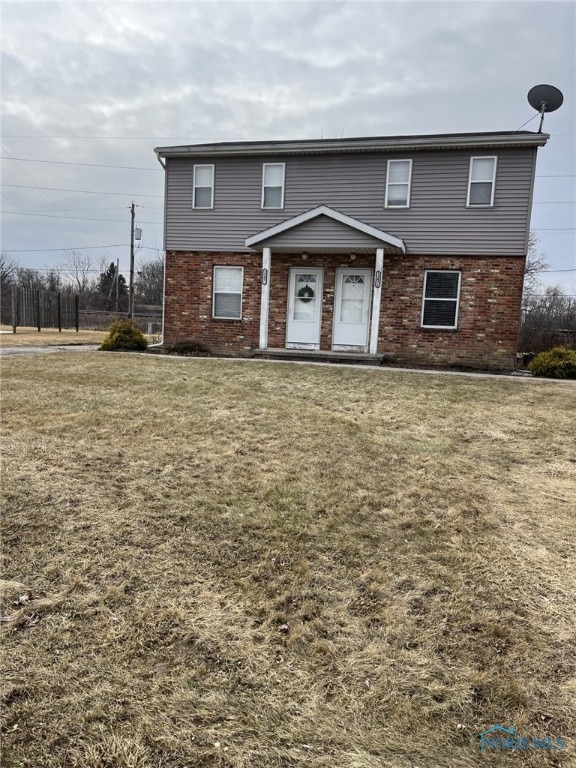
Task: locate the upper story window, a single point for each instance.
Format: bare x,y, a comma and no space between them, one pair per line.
482,181
227,297
441,297
398,181
273,185
203,195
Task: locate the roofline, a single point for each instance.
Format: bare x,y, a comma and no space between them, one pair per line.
361,144
324,210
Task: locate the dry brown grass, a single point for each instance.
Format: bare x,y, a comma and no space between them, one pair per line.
48,337
222,563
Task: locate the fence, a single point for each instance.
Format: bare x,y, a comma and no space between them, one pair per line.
98,320
43,309
37,308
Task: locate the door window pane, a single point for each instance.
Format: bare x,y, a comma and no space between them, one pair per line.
305,287
352,300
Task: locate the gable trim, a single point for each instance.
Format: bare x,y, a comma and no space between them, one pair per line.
324,210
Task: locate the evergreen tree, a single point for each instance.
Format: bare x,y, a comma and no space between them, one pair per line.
107,285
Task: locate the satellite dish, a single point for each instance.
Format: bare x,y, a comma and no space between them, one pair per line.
545,98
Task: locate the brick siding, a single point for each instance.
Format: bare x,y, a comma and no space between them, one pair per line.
488,318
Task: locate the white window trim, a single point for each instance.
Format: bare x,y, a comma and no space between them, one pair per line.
388,183
457,300
269,207
483,181
227,266
203,207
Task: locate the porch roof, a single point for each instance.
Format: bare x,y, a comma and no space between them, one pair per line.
366,234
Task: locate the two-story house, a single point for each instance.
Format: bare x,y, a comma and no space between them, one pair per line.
411,248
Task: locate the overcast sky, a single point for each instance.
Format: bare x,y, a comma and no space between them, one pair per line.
103,83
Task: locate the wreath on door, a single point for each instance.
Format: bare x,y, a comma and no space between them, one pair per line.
306,293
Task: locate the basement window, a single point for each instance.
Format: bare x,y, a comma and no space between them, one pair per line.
227,296
440,299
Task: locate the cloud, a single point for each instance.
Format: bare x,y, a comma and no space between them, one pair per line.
187,72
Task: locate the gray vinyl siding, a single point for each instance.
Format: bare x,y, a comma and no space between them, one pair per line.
437,222
330,233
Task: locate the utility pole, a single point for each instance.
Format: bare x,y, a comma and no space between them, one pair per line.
117,285
131,291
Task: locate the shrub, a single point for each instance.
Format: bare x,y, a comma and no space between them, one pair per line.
124,335
556,363
188,347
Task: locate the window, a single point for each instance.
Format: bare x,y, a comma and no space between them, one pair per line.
481,182
203,196
273,185
398,178
227,303
441,296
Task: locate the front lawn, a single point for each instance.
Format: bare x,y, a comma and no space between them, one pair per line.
48,337
257,565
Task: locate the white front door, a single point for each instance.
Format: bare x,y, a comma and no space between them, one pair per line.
351,309
304,308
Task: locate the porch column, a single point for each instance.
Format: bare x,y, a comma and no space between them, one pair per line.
265,298
378,277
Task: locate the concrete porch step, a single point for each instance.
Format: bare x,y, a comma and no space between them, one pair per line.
318,355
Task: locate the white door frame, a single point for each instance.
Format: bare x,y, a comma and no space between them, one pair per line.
376,297
369,282
290,308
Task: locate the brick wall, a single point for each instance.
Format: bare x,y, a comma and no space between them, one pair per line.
489,313
188,301
488,317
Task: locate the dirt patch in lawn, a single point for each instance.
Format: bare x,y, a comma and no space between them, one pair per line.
225,564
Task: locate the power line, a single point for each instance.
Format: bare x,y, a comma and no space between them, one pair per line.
67,269
91,165
159,170
82,191
41,223
142,138
557,270
70,248
78,248
79,218
106,208
17,164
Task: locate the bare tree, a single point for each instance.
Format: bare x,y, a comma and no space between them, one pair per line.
29,278
52,279
549,319
535,264
8,269
79,270
149,282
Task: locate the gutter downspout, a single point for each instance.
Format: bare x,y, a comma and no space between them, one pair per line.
161,342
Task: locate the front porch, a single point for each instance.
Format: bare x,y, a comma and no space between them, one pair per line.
321,285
